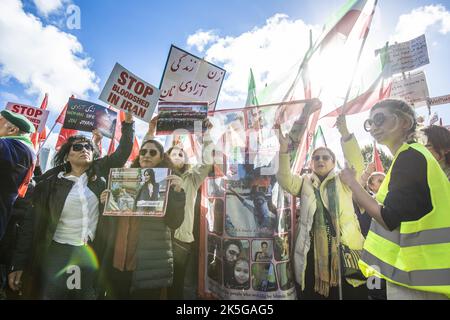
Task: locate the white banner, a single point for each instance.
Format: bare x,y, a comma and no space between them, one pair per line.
439,100
413,88
409,55
127,92
37,116
188,78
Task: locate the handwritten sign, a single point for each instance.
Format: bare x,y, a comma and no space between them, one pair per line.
409,55
188,116
125,91
37,116
412,89
87,116
439,100
189,78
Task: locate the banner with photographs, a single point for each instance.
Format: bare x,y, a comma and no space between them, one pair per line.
137,192
187,116
87,116
247,223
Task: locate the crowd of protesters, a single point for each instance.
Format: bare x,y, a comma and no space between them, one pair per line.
398,221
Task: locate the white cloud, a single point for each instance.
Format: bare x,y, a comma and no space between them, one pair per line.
201,38
42,58
419,20
47,7
270,50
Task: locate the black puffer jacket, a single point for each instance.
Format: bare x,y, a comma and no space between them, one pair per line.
154,268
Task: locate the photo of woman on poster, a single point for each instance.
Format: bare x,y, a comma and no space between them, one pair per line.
149,191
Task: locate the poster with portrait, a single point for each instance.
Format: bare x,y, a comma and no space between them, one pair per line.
87,116
247,224
137,192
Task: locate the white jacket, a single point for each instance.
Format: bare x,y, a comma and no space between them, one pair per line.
304,185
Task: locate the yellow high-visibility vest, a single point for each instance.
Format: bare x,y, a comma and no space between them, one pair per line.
417,254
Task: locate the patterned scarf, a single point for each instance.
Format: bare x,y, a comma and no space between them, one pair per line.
326,275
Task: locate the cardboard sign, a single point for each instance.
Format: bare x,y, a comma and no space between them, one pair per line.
188,116
189,78
127,92
37,116
409,55
439,100
412,89
137,192
87,116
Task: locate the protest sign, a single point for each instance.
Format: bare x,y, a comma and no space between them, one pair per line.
127,92
188,116
87,116
189,78
439,100
137,192
407,56
412,88
37,116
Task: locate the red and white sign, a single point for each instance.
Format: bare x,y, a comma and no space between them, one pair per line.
439,100
188,78
127,92
37,116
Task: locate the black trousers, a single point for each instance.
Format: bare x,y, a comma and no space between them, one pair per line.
185,273
69,272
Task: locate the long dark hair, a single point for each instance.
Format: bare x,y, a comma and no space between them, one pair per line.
151,173
439,138
60,157
165,159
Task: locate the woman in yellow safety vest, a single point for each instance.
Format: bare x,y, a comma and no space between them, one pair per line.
409,240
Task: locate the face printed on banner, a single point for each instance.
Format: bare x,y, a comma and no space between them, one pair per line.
241,271
232,253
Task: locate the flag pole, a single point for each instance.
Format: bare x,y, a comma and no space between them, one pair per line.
46,138
358,59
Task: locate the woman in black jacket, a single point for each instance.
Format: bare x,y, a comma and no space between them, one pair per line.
71,237
143,259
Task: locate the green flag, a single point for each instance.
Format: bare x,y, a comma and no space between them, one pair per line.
251,95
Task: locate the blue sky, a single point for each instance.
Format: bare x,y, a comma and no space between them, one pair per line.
138,35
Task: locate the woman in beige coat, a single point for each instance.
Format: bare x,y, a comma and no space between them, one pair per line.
322,197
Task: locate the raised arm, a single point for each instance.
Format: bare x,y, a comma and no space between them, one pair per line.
288,181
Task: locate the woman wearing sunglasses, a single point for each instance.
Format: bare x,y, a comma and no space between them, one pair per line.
70,229
408,243
322,197
185,241
143,256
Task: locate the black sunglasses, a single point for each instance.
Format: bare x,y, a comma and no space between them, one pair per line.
378,120
80,146
152,152
324,158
